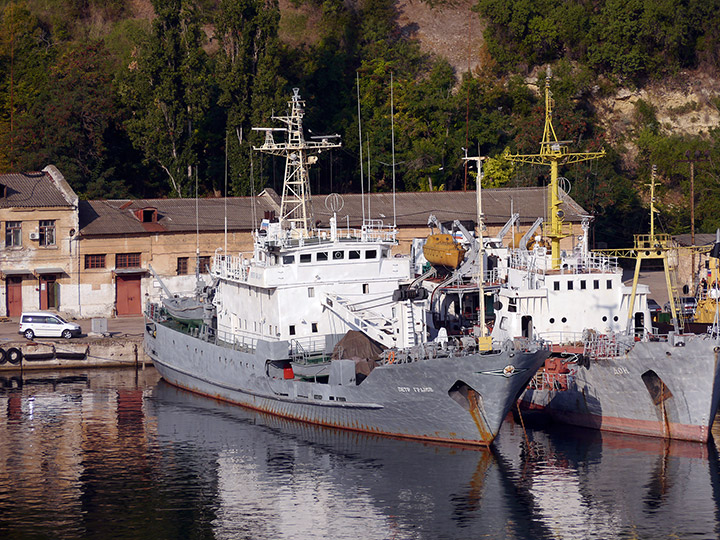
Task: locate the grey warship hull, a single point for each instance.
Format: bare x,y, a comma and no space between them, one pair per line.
455,398
656,388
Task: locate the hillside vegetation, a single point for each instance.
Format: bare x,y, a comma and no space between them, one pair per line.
151,98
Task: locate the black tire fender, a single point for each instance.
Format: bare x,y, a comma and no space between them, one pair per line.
14,355
3,356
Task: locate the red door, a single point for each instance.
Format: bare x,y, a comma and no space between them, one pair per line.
14,296
49,297
127,290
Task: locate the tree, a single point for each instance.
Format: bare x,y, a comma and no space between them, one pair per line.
248,75
26,54
66,124
167,89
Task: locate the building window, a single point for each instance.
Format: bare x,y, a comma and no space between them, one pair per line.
182,266
127,260
47,233
94,261
13,233
292,329
205,264
314,327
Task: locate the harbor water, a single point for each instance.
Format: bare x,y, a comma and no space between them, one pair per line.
121,454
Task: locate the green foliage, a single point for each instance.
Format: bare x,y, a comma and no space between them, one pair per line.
672,155
645,116
126,106
167,91
249,77
66,124
497,172
631,39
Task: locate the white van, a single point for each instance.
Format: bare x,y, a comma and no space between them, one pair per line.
47,324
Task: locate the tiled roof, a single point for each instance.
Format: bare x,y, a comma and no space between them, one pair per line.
412,210
701,239
173,215
31,189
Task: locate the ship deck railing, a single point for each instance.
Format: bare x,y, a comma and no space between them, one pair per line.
562,338
372,230
543,380
537,261
451,349
231,267
232,340
309,350
611,345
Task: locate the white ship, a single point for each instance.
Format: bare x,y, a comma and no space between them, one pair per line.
327,327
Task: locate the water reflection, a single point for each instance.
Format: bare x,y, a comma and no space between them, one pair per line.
121,454
592,484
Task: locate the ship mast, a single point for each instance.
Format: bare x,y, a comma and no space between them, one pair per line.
553,153
484,341
296,206
655,246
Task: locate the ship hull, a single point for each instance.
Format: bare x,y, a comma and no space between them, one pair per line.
417,400
655,389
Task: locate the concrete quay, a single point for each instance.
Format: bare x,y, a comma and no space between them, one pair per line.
119,346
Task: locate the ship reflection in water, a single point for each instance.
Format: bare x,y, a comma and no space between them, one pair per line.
119,454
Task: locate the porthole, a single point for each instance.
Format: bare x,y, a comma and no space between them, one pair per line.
615,318
564,319
604,318
552,320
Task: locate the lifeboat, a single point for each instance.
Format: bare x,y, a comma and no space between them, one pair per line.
442,250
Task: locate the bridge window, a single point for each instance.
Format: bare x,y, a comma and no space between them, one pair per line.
292,330
596,283
556,285
570,285
305,257
354,254
338,255
371,254
366,288
583,284
609,283
314,327
322,256
288,259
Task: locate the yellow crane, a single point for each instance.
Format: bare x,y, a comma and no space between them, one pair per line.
553,152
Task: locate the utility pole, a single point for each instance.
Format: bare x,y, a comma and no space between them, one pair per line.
692,158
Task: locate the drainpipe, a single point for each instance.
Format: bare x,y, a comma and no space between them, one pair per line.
79,270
